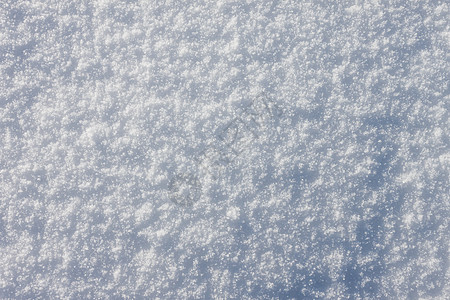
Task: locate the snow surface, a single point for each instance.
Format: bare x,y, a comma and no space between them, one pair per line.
224,149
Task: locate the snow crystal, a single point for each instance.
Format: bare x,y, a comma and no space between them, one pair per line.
224,149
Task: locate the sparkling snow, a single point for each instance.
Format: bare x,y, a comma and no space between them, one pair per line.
224,149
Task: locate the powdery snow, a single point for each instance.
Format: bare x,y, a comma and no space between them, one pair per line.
224,149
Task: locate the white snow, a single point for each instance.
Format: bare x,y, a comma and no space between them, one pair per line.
224,149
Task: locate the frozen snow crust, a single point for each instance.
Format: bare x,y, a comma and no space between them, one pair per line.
224,149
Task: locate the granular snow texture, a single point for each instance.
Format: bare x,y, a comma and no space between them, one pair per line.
224,149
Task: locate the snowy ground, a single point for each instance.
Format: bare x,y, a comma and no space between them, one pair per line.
224,149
